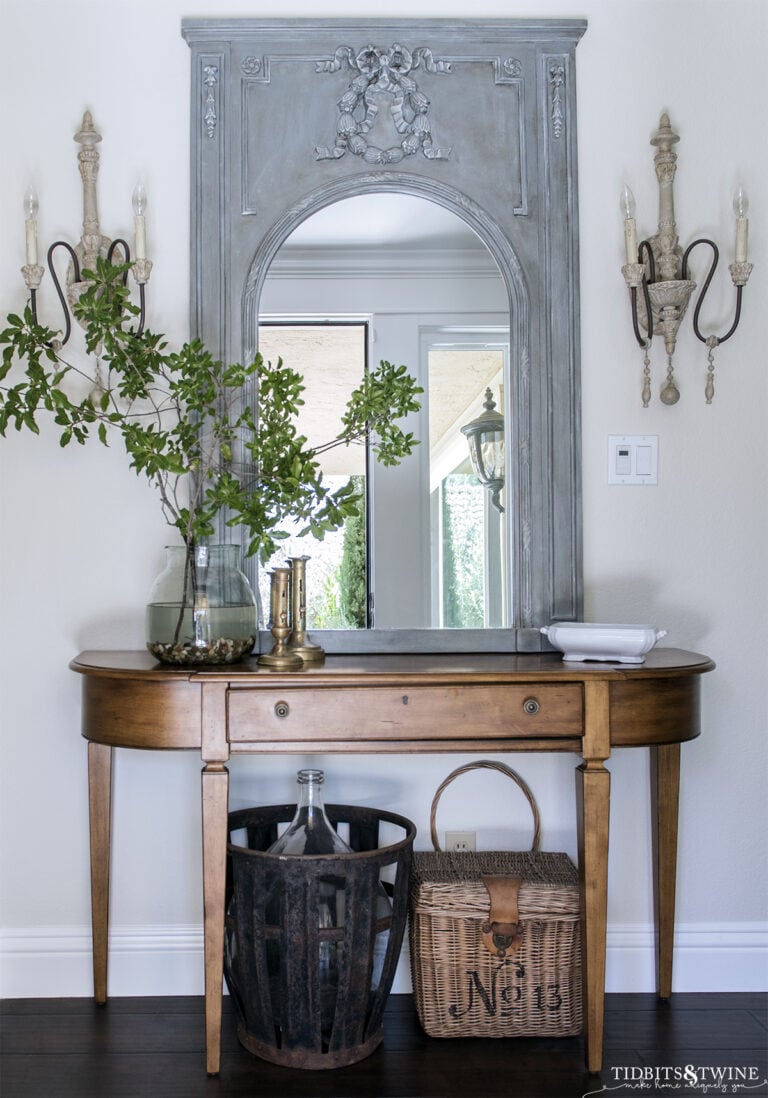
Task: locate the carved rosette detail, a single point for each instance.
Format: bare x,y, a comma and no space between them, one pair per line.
210,81
556,83
513,68
251,66
383,103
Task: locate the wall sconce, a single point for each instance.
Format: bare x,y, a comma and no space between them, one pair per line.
658,268
92,244
485,437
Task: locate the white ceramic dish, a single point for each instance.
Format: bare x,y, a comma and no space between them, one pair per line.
579,640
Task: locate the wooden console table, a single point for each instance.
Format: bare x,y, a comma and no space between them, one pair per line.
399,704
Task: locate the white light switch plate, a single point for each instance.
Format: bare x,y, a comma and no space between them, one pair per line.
633,459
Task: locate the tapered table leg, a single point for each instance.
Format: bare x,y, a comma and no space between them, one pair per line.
593,799
100,815
215,794
665,800
593,787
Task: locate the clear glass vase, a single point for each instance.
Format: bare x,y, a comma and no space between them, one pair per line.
201,607
311,832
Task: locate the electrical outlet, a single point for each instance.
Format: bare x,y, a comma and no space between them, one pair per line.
460,841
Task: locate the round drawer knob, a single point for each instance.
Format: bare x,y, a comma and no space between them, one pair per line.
531,706
282,709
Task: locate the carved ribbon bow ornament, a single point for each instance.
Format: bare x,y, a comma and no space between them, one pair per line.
383,104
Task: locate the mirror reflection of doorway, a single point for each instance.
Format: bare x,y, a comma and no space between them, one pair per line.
406,267
467,543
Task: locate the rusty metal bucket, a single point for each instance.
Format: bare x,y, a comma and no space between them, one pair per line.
272,964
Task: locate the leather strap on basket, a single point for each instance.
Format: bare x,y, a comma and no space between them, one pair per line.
502,932
486,764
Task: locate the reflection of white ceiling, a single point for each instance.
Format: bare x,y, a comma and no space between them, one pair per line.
397,220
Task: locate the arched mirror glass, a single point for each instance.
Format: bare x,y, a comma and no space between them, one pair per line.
406,190
396,277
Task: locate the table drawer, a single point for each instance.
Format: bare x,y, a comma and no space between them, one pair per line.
486,711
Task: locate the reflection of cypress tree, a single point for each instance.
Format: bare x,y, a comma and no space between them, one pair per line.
354,592
451,611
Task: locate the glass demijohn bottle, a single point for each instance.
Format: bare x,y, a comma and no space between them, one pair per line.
311,832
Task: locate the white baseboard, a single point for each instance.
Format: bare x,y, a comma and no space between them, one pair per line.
43,962
53,962
708,957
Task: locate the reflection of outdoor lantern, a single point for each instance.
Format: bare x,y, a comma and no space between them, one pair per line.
485,437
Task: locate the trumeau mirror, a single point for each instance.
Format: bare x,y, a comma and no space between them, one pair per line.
406,189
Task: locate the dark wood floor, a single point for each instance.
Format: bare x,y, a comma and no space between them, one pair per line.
154,1048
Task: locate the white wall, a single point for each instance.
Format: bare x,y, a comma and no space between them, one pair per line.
82,538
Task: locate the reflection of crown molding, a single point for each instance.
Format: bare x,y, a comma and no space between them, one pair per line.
377,262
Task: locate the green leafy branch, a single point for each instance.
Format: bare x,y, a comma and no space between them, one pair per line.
185,426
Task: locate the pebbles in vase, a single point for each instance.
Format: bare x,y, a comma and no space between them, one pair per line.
221,650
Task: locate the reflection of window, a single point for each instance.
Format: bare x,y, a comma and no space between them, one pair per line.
331,357
468,535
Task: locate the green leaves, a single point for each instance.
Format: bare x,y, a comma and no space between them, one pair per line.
386,394
184,422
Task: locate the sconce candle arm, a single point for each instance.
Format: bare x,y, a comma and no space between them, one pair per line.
126,252
142,310
737,316
643,340
119,242
76,269
645,256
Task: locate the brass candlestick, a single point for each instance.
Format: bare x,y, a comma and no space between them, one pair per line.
280,623
299,641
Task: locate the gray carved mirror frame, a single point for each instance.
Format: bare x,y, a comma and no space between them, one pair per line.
500,97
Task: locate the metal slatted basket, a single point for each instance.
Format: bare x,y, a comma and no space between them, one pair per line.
273,969
495,937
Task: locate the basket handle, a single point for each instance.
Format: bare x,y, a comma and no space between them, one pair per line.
486,764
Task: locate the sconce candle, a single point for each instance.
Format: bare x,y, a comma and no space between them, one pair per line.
740,207
139,222
630,227
30,209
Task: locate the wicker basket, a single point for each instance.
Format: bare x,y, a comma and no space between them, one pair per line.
495,942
